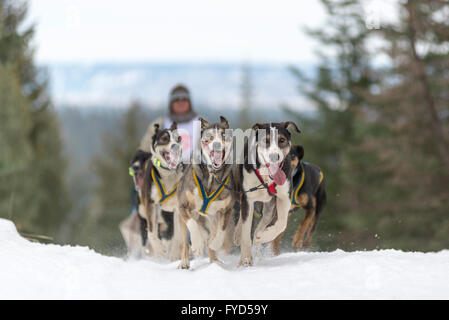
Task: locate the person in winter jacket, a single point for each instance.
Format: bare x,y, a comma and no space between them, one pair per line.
180,110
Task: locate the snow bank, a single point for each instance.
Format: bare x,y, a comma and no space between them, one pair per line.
31,270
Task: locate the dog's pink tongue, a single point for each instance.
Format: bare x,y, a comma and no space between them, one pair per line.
139,182
277,173
217,158
172,162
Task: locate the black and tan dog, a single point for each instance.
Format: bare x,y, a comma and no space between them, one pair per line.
163,172
265,176
134,228
309,193
206,194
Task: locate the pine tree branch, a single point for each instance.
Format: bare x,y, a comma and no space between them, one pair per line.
423,80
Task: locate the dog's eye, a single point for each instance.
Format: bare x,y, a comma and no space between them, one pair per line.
282,140
207,137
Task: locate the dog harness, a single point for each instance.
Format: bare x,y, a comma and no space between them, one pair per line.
271,188
208,199
163,195
297,188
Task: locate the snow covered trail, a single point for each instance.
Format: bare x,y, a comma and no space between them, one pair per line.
36,271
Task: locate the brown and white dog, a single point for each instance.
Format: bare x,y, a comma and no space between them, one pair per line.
265,176
206,194
163,172
309,193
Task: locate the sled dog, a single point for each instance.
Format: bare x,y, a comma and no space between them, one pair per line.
264,176
309,193
205,194
163,171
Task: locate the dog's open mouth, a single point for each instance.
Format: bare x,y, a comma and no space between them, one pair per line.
217,158
276,172
171,158
139,180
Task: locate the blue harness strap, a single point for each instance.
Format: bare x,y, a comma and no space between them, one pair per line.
163,195
207,200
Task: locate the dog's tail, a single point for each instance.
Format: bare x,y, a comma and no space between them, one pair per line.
321,200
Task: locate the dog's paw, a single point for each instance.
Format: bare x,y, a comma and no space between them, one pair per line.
215,259
245,262
297,243
198,251
261,237
184,265
216,243
265,236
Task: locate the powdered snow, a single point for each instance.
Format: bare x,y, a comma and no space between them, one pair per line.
37,271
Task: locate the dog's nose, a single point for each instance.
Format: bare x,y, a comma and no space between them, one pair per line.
216,146
175,147
274,157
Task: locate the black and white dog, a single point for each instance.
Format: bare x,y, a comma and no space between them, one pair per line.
163,171
265,176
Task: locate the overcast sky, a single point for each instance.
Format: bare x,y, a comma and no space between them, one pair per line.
174,30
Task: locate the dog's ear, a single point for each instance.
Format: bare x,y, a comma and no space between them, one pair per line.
204,123
289,124
156,127
174,126
224,122
257,126
298,151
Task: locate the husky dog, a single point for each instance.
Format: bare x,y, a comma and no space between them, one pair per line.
206,194
134,228
309,193
265,176
162,175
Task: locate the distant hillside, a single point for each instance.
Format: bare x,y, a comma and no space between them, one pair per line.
213,85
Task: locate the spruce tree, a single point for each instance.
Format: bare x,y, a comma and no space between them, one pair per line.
334,137
47,201
15,155
413,103
111,201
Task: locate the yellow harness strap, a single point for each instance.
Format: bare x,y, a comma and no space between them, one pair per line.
208,199
295,191
163,195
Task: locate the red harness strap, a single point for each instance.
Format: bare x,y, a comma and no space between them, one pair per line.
271,188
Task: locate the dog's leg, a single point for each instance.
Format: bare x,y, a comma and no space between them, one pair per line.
238,232
276,244
230,230
213,256
305,224
270,233
152,227
176,241
196,236
320,202
267,215
220,229
309,234
185,260
246,217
